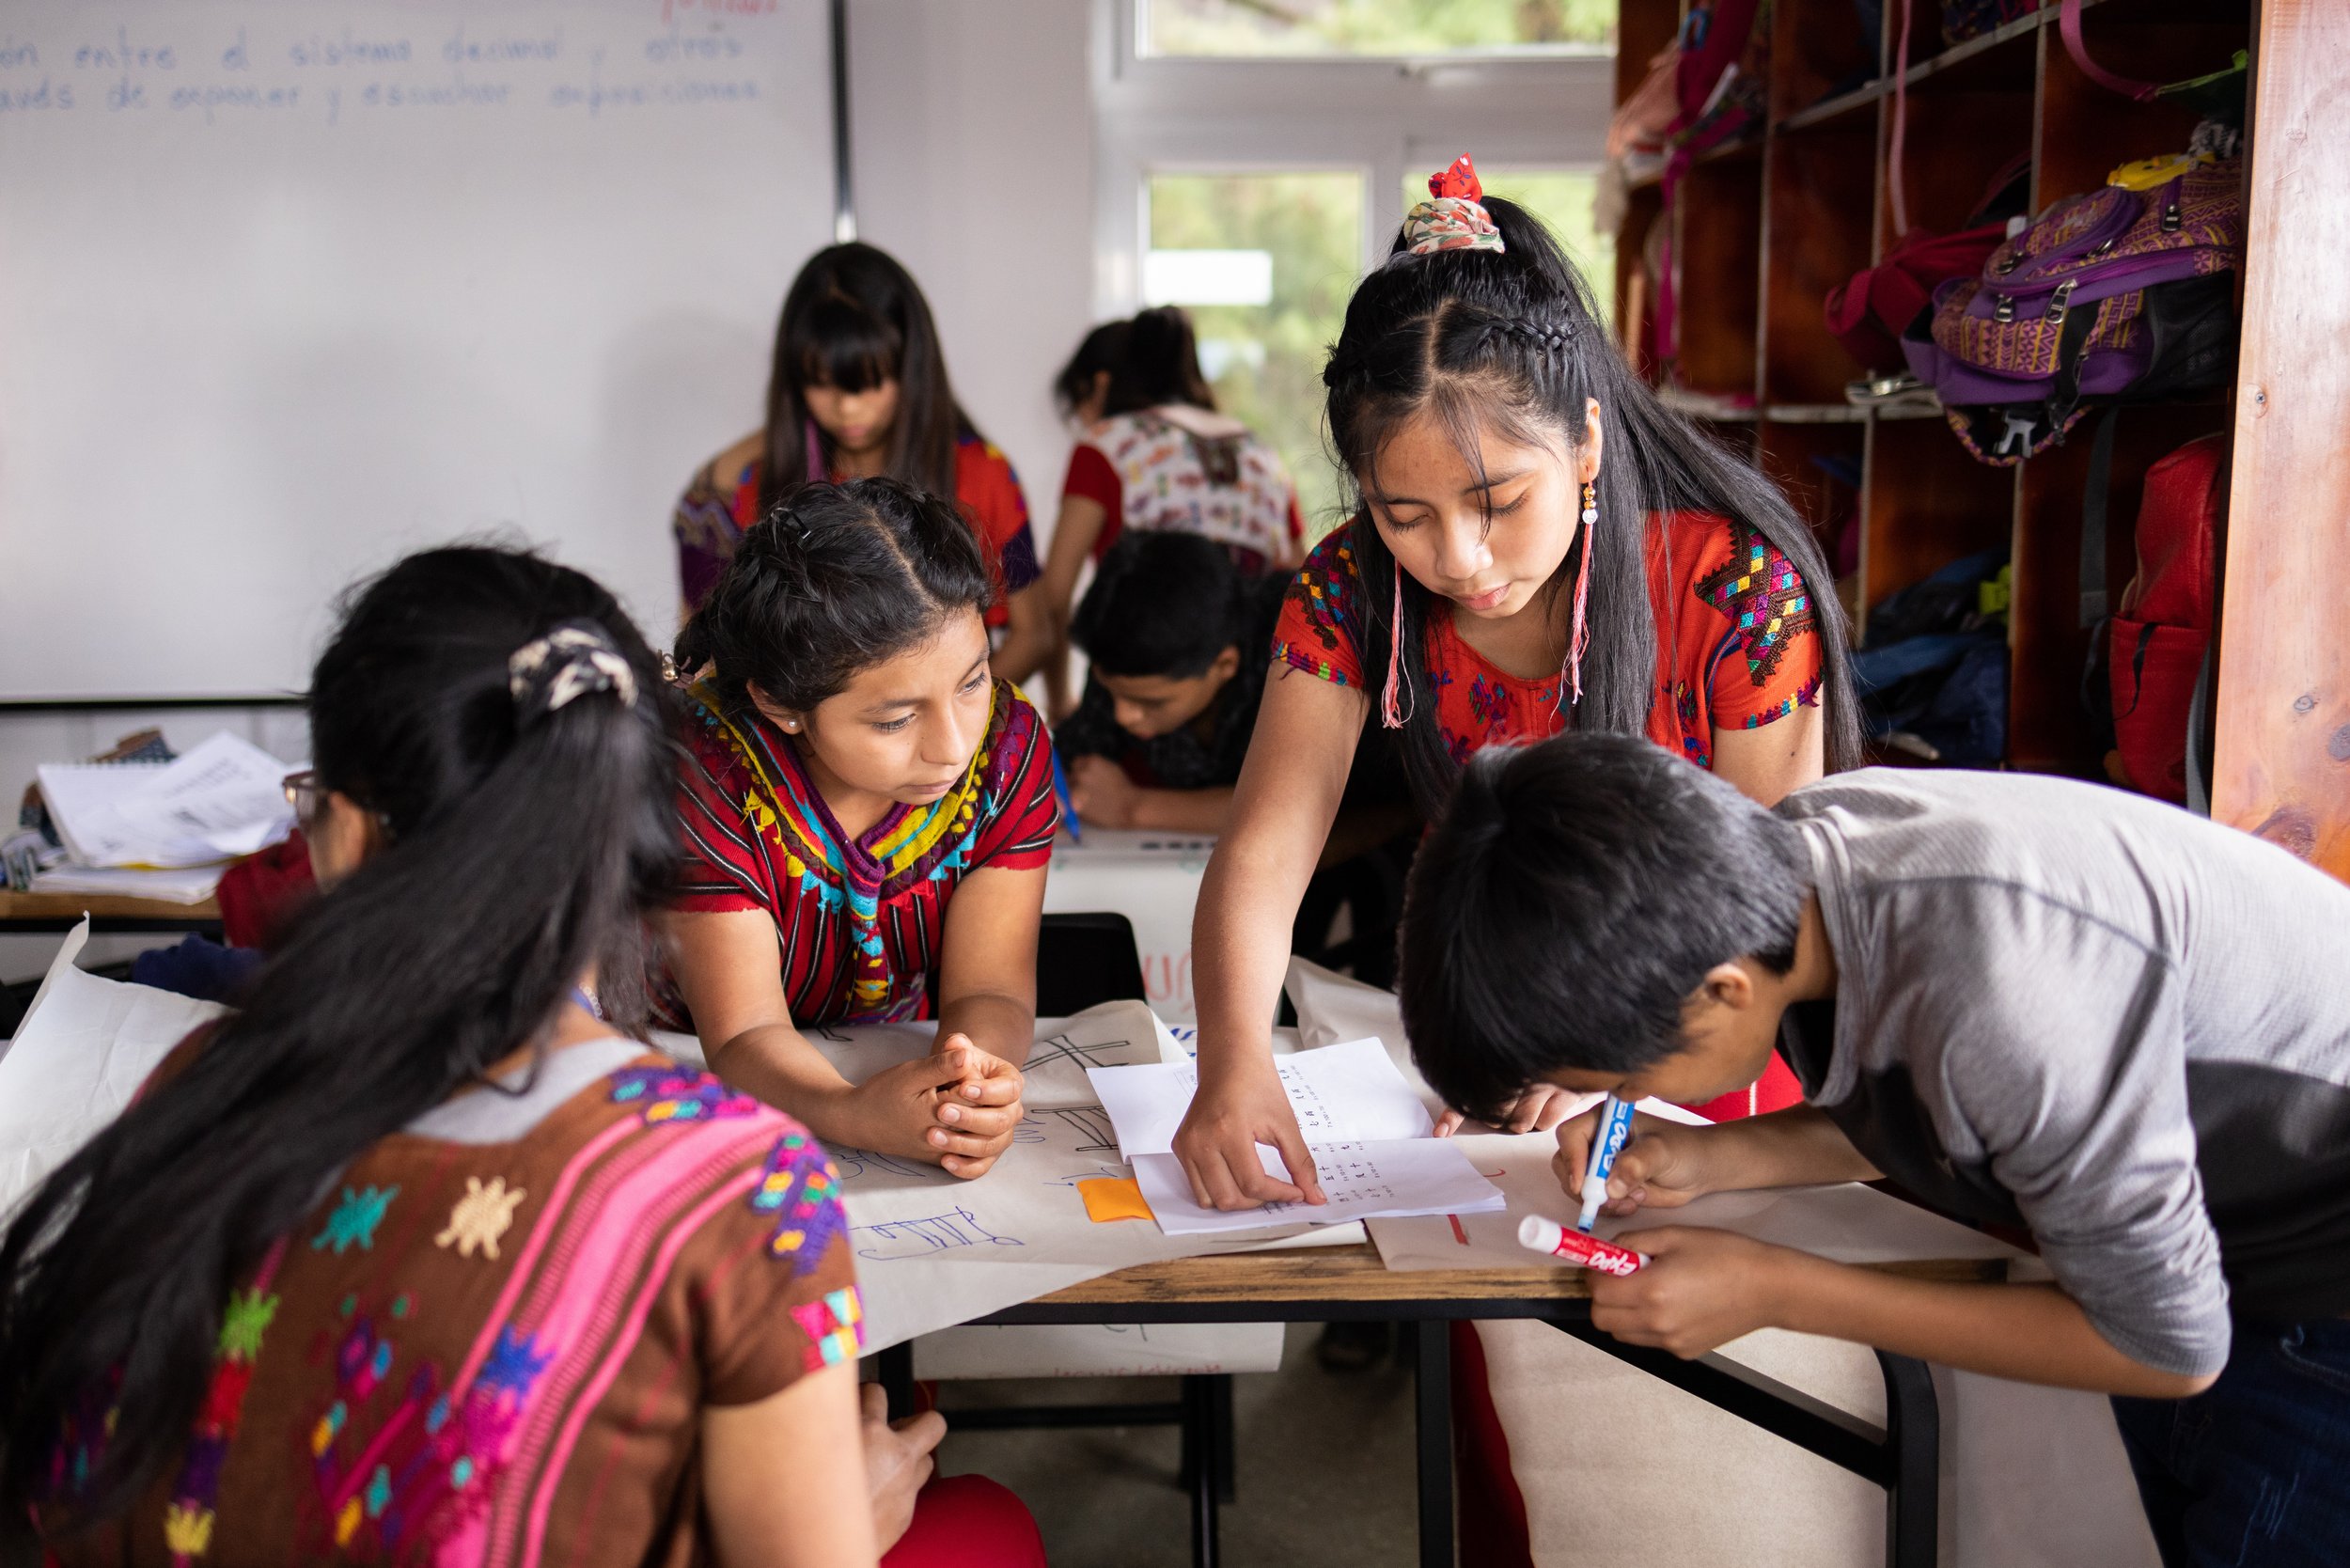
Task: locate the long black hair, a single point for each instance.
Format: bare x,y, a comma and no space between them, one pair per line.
1163,603
1509,340
854,318
527,828
1159,365
1097,355
832,582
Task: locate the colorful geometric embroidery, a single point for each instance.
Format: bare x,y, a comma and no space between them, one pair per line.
1765,597
677,1094
798,1186
354,1219
188,1517
1326,590
1806,696
834,1326
481,1218
416,1467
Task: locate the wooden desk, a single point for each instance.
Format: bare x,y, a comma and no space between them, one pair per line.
38,912
1327,1284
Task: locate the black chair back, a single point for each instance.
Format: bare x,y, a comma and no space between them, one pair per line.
1084,960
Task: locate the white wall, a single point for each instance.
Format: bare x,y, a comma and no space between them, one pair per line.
972,132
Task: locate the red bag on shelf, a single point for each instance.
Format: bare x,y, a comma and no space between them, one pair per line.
1866,313
2161,629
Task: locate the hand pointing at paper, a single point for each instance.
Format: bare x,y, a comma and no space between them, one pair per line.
1237,1108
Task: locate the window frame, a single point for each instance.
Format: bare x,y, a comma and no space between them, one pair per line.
1379,117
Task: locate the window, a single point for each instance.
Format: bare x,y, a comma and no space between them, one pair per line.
1562,199
1263,263
1377,29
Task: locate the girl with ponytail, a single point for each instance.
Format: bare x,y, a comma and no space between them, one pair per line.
1540,545
424,1253
867,815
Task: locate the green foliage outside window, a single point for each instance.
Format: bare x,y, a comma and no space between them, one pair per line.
1374,28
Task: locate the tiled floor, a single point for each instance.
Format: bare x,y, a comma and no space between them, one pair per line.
1324,1469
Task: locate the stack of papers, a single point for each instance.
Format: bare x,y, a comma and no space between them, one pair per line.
192,886
1373,1145
222,800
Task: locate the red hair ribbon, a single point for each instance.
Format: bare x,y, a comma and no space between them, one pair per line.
1459,180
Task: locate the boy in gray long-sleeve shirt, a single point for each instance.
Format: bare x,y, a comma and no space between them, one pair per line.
2027,1000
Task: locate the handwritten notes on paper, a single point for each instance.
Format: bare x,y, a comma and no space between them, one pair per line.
1349,1093
1362,1181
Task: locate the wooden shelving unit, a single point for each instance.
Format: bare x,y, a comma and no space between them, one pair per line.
1764,228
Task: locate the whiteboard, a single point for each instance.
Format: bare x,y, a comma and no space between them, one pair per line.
290,288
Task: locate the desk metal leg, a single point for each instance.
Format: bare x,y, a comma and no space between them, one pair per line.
897,1378
1432,1357
1913,1442
1206,1443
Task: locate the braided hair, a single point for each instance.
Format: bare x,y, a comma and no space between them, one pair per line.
832,582
1500,335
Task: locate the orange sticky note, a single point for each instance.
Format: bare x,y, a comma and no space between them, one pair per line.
1109,1198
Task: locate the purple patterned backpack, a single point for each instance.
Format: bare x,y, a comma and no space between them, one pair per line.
2117,295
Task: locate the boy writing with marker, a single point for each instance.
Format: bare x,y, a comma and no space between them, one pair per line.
2027,1000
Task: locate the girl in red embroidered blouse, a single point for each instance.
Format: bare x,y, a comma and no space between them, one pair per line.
866,815
1496,585
859,388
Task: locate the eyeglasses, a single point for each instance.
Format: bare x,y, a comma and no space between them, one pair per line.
305,794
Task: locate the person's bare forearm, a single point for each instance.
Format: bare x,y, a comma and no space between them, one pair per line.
1001,1025
1183,810
1236,971
778,1064
2028,1333
1796,1147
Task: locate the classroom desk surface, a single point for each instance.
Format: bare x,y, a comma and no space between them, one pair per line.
1330,1283
24,912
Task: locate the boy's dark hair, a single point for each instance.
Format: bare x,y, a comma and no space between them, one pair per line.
507,726
1161,603
854,318
1510,340
832,582
1099,355
1572,898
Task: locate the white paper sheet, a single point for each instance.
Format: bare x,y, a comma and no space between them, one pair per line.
223,799
1848,1223
1362,1181
81,1053
1346,1093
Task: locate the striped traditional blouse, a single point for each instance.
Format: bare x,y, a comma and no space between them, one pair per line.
858,919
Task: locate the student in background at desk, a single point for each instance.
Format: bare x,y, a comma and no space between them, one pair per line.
1541,546
1175,637
2028,1000
858,388
418,1256
1155,455
867,815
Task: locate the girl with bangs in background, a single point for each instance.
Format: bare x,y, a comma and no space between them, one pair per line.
858,390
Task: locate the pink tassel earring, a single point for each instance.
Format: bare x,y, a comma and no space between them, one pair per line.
1388,717
1580,634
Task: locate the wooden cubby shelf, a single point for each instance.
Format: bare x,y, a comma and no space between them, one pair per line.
1762,229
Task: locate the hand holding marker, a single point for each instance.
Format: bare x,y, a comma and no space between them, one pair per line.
1607,1141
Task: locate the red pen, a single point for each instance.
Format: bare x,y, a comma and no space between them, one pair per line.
1548,1237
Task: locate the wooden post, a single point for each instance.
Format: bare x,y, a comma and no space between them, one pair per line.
2283,768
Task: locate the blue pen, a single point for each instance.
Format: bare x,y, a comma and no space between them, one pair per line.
1067,806
1607,1141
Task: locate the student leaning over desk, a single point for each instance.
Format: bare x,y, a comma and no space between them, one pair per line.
1560,551
418,1255
2029,1000
866,814
858,390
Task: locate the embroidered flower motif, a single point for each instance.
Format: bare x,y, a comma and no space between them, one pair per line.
1764,598
246,1321
513,1364
354,1219
188,1531
677,1094
481,1218
798,1185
